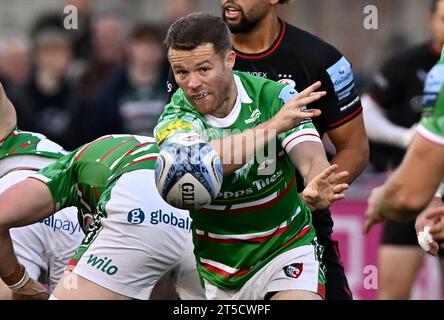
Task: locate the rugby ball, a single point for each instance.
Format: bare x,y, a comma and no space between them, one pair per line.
188,174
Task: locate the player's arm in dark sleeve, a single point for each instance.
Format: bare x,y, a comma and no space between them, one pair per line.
384,92
344,121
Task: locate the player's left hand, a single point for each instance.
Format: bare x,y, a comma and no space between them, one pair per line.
436,216
374,213
325,188
424,221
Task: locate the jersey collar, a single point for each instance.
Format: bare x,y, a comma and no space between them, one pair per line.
242,97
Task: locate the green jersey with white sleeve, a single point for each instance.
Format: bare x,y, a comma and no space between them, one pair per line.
432,122
23,150
81,177
258,213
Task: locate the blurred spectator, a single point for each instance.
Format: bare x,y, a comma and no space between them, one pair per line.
133,101
108,35
48,20
48,92
81,37
14,61
176,9
14,71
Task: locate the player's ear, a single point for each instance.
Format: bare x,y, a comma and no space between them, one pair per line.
230,59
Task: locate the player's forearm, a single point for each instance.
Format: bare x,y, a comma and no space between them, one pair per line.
352,159
236,150
22,204
317,165
399,203
412,185
310,159
8,260
352,147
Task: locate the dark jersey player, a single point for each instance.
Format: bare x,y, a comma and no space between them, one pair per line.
393,107
268,47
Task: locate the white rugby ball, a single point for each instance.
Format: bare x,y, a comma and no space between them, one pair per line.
188,175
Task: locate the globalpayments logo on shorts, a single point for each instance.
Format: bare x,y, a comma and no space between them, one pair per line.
63,225
136,216
170,218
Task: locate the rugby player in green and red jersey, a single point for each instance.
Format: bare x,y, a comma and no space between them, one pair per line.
255,240
135,237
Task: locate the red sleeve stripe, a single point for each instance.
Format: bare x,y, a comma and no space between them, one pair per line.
114,148
346,119
299,136
89,145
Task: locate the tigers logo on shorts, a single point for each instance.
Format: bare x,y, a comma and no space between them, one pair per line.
293,270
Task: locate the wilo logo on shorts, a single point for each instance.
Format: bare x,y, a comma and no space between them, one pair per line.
293,270
103,265
136,216
160,217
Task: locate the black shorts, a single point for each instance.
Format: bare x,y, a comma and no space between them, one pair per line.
401,234
336,286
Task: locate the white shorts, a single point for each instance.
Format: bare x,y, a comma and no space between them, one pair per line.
296,269
45,247
136,239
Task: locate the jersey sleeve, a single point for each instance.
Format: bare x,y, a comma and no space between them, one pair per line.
177,119
304,132
432,123
386,86
7,136
342,102
60,181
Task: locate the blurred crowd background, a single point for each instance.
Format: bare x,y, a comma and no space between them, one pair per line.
108,76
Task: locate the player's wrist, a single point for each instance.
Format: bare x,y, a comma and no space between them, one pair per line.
273,126
17,279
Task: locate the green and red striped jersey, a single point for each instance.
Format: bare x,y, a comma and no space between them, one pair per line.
23,150
79,178
258,213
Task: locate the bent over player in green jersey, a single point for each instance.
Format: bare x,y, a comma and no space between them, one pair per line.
255,239
135,237
45,247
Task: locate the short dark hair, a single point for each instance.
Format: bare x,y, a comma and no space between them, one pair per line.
196,29
434,6
145,32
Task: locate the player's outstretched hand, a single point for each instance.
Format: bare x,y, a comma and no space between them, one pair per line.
423,224
435,218
294,111
373,215
32,290
325,188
